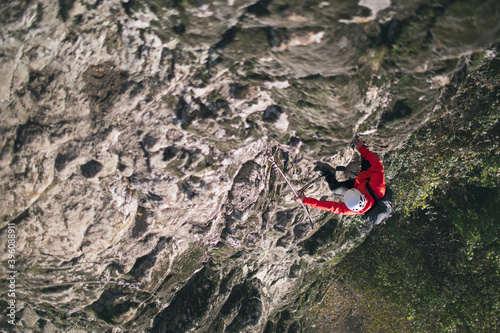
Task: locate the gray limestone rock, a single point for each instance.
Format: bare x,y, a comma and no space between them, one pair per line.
134,143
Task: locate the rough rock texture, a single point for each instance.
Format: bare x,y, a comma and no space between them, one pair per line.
134,144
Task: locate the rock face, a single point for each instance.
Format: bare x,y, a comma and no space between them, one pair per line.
134,144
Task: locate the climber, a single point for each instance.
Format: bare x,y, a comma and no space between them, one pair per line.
360,194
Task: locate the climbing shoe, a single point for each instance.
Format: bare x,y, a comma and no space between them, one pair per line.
324,168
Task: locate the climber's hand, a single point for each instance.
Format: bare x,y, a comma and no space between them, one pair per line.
300,196
358,142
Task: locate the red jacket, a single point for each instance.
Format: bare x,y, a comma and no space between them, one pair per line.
374,175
